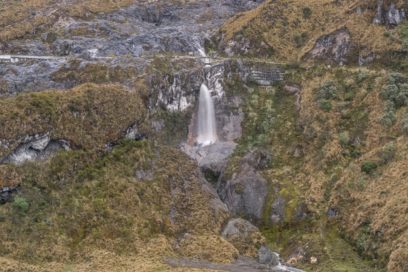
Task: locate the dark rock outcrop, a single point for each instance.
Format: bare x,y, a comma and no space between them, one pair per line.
258,159
365,58
379,17
334,47
6,194
391,15
133,133
245,190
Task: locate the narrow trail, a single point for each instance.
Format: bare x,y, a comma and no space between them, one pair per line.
214,60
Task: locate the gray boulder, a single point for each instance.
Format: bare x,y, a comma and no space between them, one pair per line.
245,192
268,257
212,159
6,194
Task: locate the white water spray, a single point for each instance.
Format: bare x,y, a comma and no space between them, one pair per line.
207,131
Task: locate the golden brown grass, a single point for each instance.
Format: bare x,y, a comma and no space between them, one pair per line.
279,23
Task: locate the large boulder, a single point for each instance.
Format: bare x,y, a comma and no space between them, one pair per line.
245,191
244,236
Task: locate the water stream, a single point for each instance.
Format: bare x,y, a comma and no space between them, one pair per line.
207,129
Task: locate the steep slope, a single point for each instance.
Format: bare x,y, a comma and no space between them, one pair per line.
289,30
76,205
336,136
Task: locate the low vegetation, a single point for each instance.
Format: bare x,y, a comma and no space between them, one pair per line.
78,203
286,30
88,116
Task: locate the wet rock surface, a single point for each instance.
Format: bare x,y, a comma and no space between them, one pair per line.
211,159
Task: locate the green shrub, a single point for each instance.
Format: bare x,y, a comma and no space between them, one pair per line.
325,105
388,119
368,167
363,239
349,95
389,91
307,13
20,204
327,91
396,91
361,76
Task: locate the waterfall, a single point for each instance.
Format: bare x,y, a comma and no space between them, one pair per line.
207,131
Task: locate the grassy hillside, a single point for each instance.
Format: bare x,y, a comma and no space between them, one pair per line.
78,207
345,151
287,30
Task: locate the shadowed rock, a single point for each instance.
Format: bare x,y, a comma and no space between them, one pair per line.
245,192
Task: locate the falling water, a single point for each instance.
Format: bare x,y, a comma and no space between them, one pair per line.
207,131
